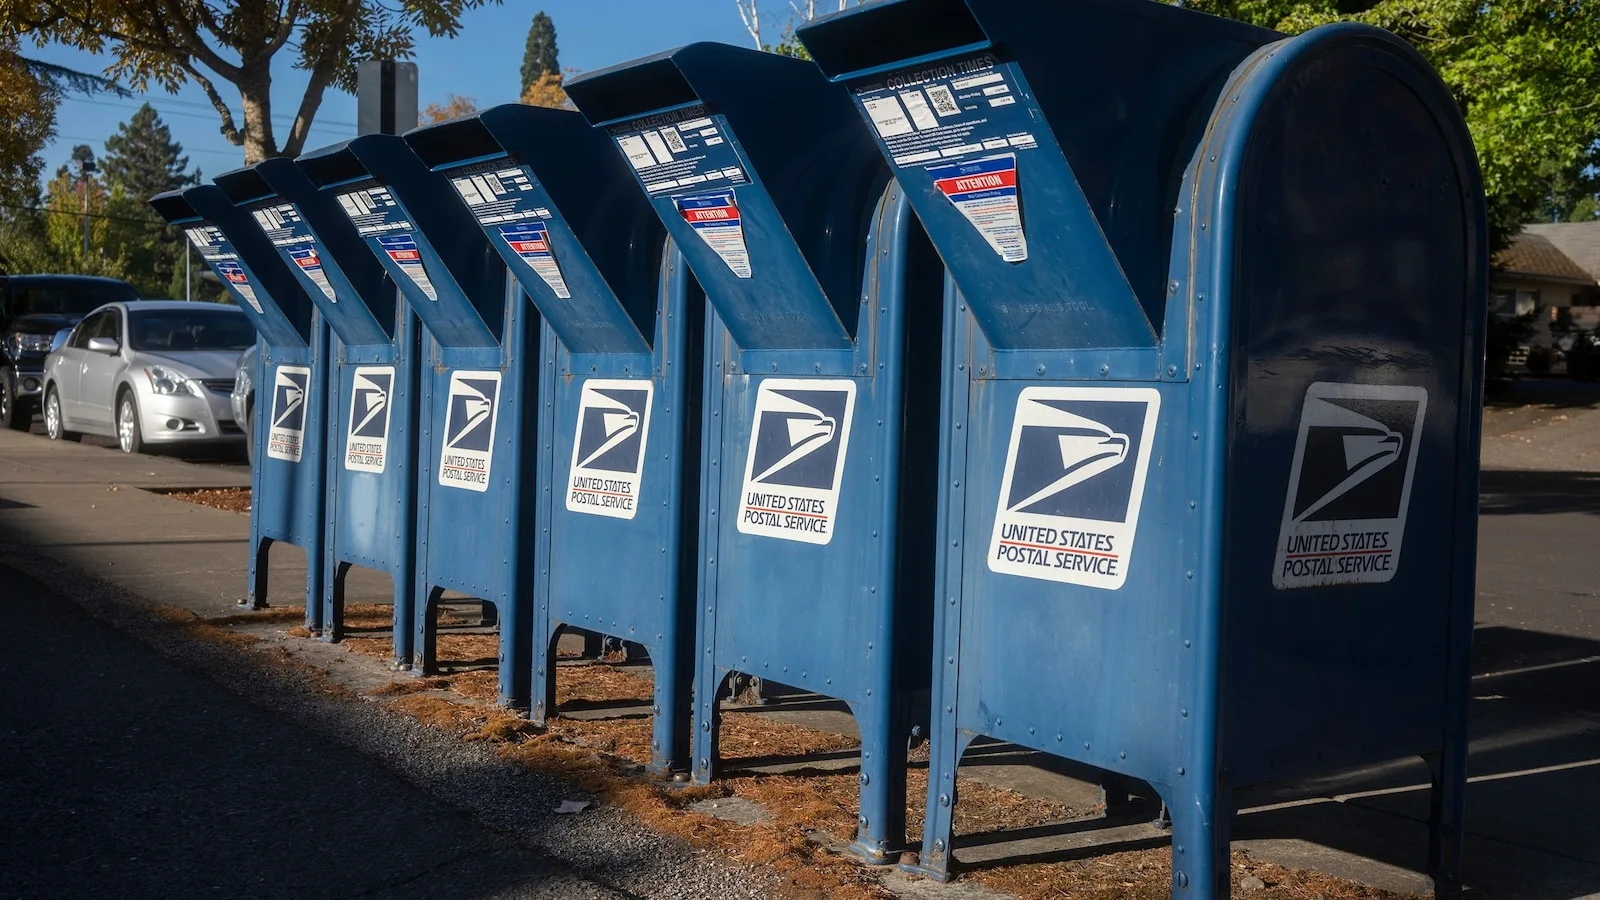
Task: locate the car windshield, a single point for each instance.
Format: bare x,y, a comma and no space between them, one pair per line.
175,330
68,297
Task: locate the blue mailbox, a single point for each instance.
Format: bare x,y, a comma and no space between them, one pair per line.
373,368
820,409
473,434
1212,394
287,482
619,393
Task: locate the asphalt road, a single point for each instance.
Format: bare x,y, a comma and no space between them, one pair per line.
123,775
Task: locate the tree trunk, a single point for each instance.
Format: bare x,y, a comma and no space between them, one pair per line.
255,95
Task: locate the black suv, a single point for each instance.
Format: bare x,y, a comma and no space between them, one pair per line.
32,309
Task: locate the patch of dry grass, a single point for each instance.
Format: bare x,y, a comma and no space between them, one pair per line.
230,499
597,683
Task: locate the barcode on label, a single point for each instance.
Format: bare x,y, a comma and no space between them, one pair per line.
674,140
944,103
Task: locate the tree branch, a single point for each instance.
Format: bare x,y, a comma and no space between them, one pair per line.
229,129
189,40
286,23
322,74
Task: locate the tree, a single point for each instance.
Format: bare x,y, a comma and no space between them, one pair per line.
55,243
171,42
1525,72
141,161
547,91
454,107
539,57
28,124
788,44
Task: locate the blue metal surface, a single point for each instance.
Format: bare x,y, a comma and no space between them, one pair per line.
620,350
819,409
287,481
374,360
1247,552
475,437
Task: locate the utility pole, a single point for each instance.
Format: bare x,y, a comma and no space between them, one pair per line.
85,167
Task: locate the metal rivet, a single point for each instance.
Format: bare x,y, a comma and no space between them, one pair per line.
1182,771
1104,370
1171,371
944,799
1189,574
1184,713
1039,369
1172,286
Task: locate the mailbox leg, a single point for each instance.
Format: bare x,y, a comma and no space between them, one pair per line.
707,718
333,602
257,597
881,826
669,741
945,749
425,643
1201,829
1445,833
544,675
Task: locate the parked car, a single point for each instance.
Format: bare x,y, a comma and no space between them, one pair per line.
33,308
148,372
244,397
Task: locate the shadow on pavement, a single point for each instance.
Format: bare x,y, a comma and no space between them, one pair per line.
1505,492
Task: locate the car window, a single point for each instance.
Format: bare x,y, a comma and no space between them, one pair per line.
173,330
89,328
68,297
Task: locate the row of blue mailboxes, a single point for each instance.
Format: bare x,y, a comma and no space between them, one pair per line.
1098,377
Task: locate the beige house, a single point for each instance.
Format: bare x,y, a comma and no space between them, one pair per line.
1553,270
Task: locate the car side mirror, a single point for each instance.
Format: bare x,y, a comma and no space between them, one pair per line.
104,345
60,340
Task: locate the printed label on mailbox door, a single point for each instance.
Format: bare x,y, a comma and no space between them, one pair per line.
531,242
608,452
286,431
471,408
985,192
800,433
366,446
1344,516
310,262
402,248
1074,480
715,218
233,274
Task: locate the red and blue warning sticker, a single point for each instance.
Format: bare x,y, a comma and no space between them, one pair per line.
985,191
531,242
233,274
402,249
714,216
311,264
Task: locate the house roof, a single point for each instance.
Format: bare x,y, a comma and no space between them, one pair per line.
1579,242
1534,254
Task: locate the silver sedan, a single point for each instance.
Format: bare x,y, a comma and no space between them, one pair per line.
148,372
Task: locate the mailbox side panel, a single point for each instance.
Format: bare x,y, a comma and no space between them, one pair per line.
1358,298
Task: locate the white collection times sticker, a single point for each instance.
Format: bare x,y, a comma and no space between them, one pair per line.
287,428
1344,516
800,435
471,408
609,446
366,446
1074,480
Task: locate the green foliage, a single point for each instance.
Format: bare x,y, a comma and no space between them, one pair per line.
1525,72
143,160
28,124
539,56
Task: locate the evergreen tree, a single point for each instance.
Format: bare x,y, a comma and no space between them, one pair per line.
143,160
539,56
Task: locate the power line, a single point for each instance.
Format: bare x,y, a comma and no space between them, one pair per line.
277,120
78,214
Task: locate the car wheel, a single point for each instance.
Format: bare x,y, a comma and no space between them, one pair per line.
128,436
54,426
13,415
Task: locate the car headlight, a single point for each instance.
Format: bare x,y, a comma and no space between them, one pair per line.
165,381
28,343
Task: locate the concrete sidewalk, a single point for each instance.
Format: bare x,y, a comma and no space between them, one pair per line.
1536,712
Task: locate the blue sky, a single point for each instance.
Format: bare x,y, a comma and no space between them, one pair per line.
483,62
